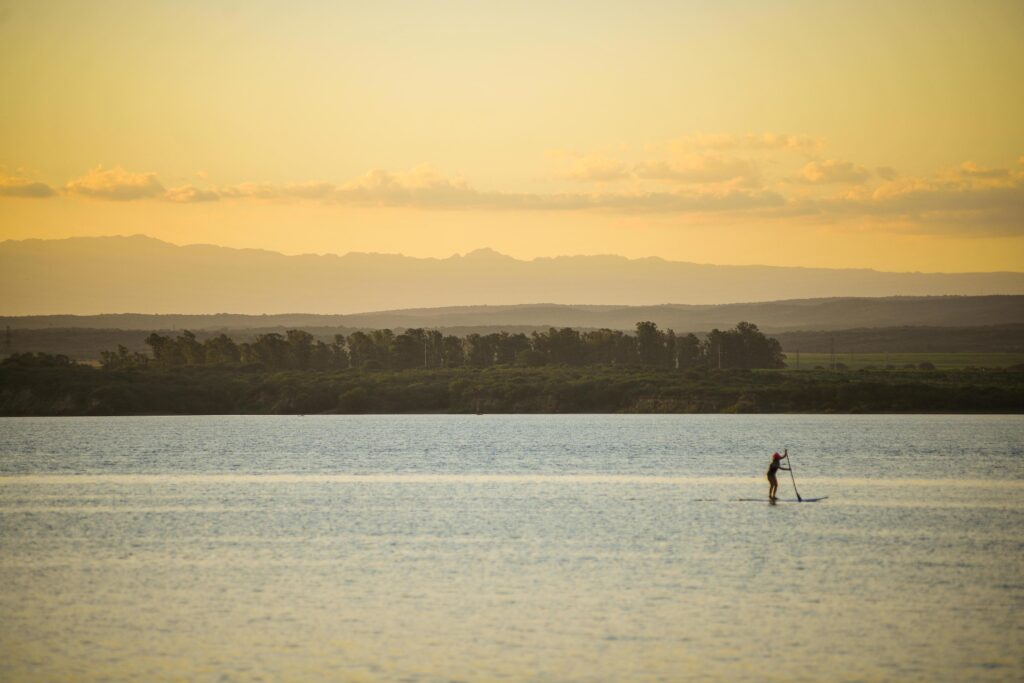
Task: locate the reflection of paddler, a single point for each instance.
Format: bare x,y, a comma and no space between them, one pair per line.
773,483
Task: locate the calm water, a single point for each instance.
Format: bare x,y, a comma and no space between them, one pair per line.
548,548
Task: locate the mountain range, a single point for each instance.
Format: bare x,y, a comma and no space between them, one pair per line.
93,275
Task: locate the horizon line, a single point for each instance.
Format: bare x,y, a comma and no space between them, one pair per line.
486,250
392,311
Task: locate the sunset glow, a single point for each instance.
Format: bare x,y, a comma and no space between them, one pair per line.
869,134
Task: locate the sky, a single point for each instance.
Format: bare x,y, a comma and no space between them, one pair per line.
828,134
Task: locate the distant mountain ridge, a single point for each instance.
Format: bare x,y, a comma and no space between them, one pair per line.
112,274
771,316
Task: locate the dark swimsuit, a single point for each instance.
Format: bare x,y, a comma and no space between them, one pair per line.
773,468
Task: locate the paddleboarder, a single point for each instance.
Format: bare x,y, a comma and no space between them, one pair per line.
773,483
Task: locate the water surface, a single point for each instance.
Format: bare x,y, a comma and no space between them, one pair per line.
585,548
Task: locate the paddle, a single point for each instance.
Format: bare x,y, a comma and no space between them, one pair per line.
786,451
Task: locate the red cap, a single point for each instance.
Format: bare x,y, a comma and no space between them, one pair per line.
776,457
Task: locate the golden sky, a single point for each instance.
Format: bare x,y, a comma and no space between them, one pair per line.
871,134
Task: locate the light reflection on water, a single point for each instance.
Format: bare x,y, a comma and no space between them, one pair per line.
488,549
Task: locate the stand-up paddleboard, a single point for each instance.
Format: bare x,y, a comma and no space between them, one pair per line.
781,500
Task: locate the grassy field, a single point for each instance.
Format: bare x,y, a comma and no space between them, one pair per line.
942,361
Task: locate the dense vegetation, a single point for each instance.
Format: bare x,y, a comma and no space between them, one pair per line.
560,370
744,347
87,343
34,384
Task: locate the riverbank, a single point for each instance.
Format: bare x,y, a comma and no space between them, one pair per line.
83,390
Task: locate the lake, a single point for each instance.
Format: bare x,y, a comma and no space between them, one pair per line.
533,547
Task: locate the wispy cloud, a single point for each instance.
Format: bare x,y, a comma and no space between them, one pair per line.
967,199
598,169
422,187
972,170
700,168
116,184
833,171
250,191
425,188
962,201
189,194
27,189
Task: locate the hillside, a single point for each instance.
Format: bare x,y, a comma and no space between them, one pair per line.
83,338
771,316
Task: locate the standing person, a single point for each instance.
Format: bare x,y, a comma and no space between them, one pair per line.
773,483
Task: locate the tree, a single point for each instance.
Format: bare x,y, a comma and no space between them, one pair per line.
300,349
341,359
743,347
271,351
561,346
360,349
507,347
120,359
689,352
479,350
165,350
383,343
221,350
190,349
651,345
454,354
409,350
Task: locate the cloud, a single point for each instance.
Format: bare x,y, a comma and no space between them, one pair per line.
26,189
703,168
689,202
972,170
189,194
965,200
269,191
833,171
969,207
250,191
423,187
597,169
116,184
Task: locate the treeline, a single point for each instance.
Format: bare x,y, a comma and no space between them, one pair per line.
34,384
89,343
743,347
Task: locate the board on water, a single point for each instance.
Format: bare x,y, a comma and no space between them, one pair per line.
781,500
